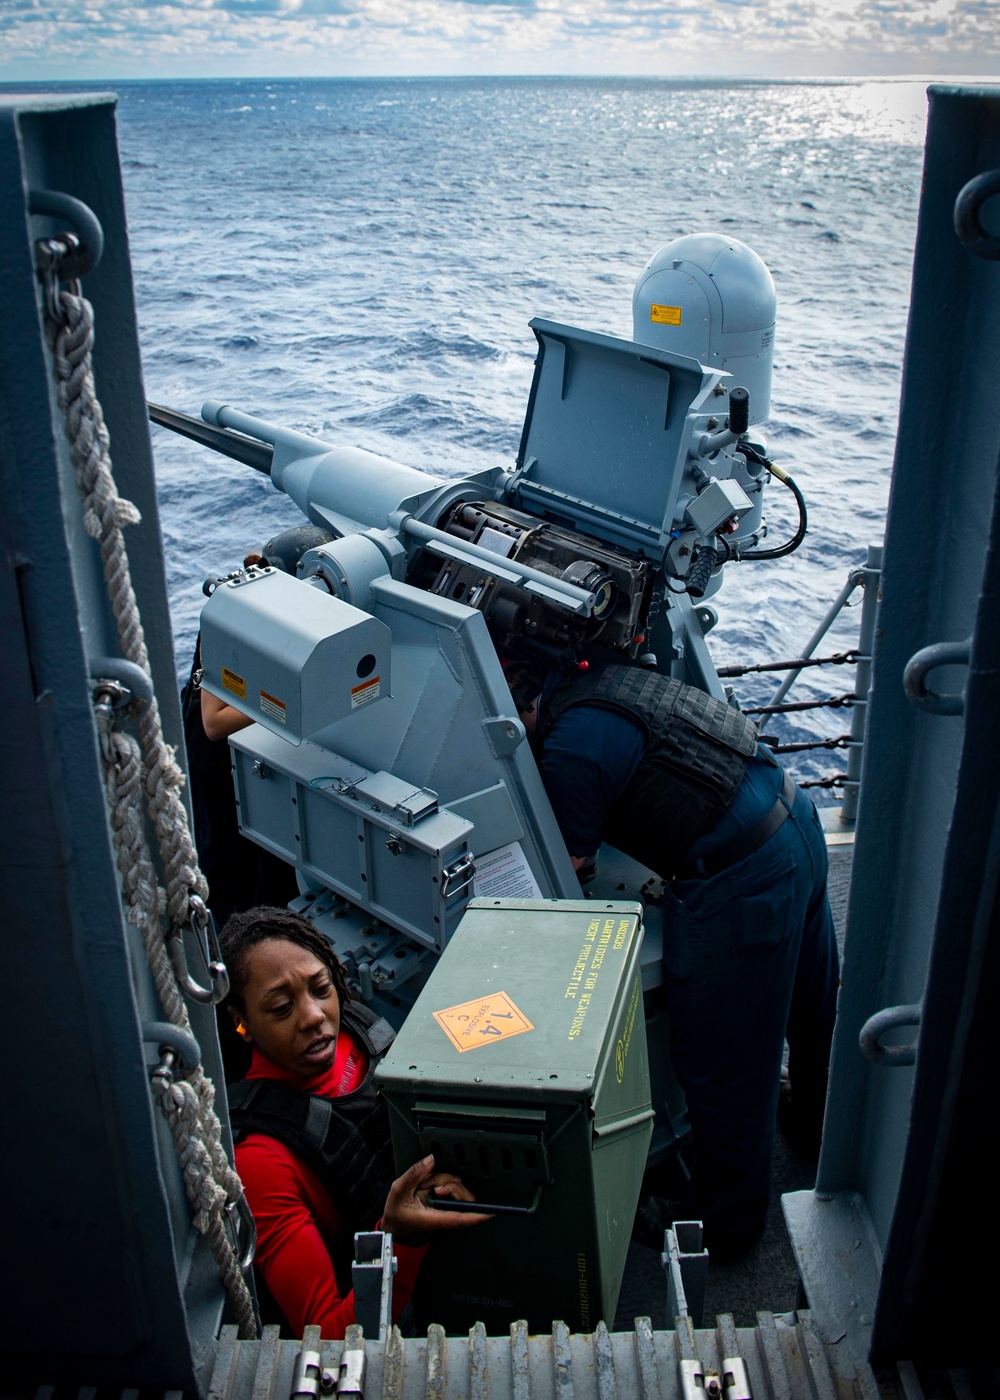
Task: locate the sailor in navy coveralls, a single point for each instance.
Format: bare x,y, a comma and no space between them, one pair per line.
675,779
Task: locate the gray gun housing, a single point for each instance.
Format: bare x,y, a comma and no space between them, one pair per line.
387,762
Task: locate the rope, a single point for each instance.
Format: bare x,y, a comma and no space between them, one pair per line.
147,769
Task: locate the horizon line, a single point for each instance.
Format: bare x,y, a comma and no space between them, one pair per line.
967,79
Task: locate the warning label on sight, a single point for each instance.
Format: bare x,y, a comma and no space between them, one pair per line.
231,681
665,315
482,1022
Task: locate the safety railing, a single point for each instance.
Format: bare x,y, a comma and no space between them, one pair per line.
867,578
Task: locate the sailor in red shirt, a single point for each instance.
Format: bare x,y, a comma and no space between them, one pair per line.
313,1145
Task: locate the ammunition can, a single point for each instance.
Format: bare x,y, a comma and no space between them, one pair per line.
522,1067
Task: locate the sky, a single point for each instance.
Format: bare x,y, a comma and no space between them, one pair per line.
98,39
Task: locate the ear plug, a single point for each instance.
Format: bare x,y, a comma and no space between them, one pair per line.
241,1029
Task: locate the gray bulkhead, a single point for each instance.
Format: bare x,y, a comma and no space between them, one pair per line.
105,1275
895,1216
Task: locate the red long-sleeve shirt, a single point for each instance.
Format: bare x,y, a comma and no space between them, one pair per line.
298,1223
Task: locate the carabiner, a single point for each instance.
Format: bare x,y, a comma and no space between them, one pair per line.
201,923
241,1208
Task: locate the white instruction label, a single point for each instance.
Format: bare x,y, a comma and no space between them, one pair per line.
505,874
271,705
368,690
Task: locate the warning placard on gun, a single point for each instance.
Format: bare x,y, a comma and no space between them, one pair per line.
482,1022
271,705
505,874
367,690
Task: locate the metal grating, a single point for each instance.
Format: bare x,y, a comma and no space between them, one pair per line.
782,1358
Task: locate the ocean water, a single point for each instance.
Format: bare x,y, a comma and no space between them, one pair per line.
360,259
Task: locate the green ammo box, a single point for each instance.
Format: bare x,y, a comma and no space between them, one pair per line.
523,1068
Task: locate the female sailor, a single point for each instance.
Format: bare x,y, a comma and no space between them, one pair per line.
311,1132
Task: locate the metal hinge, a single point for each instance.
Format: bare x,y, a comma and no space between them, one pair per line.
306,1376
353,1367
699,1382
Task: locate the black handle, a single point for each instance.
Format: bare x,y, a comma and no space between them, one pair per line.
739,411
481,1208
701,571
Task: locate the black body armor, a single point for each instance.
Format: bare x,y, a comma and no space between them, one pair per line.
344,1140
697,749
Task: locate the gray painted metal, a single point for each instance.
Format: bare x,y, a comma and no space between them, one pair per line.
99,1200
109,1271
290,656
371,1274
926,855
607,434
685,1263
969,215
449,729
862,682
711,297
347,488
919,667
839,1258
782,1358
609,423
357,833
890,1019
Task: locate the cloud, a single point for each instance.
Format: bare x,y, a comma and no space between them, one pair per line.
108,38
326,7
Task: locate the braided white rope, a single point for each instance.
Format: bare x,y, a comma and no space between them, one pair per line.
188,1106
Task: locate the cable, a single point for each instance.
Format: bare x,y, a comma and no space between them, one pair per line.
842,658
843,742
791,545
835,702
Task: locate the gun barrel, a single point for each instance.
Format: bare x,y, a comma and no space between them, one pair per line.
251,453
223,415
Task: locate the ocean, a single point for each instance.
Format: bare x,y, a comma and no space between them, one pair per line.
359,260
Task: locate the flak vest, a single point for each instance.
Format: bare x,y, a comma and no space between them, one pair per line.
697,749
344,1140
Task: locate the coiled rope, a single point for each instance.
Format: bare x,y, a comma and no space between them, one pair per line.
147,768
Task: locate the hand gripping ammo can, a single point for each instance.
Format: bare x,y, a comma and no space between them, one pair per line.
522,1067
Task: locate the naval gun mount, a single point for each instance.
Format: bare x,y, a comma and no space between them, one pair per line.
387,762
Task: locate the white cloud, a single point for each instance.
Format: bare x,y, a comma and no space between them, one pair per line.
111,38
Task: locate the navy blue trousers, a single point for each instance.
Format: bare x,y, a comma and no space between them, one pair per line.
750,955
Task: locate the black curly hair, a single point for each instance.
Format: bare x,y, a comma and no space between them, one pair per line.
242,932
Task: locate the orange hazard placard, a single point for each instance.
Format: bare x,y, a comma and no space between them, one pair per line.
482,1022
